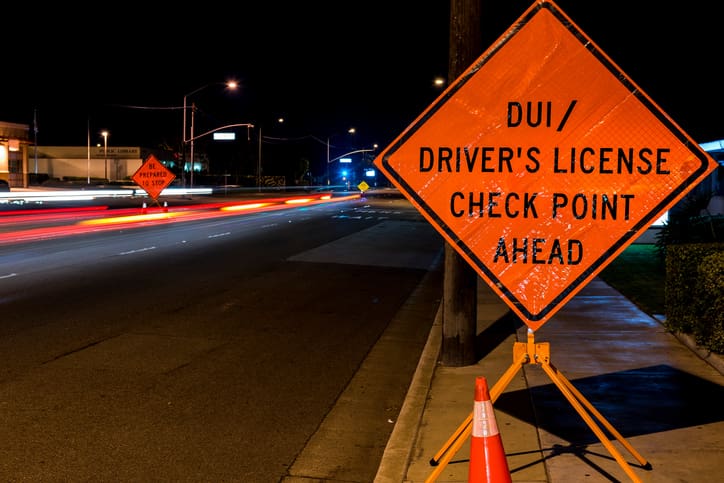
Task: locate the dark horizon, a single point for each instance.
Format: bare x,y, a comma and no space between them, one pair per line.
367,65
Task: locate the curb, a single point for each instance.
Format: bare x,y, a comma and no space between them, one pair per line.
396,457
712,358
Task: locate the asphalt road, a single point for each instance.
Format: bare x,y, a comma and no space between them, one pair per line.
213,350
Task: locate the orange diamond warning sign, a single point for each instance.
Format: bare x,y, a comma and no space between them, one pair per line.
153,176
542,162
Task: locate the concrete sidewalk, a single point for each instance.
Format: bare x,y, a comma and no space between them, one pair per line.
662,395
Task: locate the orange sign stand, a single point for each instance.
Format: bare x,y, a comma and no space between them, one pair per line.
542,163
531,353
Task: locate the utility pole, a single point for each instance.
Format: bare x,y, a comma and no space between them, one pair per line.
258,164
35,130
460,295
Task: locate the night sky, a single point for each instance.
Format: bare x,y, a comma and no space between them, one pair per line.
370,64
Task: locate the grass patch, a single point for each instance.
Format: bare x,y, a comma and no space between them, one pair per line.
639,274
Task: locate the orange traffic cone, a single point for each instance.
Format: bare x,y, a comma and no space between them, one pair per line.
487,456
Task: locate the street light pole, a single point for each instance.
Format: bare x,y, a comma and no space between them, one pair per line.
351,130
353,152
190,139
191,172
105,153
280,120
328,161
88,154
183,138
258,164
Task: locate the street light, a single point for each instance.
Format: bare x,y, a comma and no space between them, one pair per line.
374,148
105,153
280,120
231,85
349,131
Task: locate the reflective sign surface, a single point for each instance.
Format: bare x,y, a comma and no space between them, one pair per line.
542,162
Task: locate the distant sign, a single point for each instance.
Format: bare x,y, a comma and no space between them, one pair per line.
116,152
153,177
224,136
542,163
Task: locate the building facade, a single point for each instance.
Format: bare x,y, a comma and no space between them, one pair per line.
14,145
93,163
24,163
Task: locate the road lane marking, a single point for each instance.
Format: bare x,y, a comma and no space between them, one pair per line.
140,250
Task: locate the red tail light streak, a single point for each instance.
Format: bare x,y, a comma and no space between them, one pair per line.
21,225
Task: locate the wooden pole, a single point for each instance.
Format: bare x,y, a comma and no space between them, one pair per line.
460,282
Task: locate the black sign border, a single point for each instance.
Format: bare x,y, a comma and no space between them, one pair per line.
606,257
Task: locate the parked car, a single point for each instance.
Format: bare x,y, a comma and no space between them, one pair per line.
4,186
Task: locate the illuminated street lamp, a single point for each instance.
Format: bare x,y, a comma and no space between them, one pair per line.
191,138
280,120
105,153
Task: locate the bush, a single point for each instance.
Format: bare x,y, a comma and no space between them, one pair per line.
710,286
692,245
694,292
